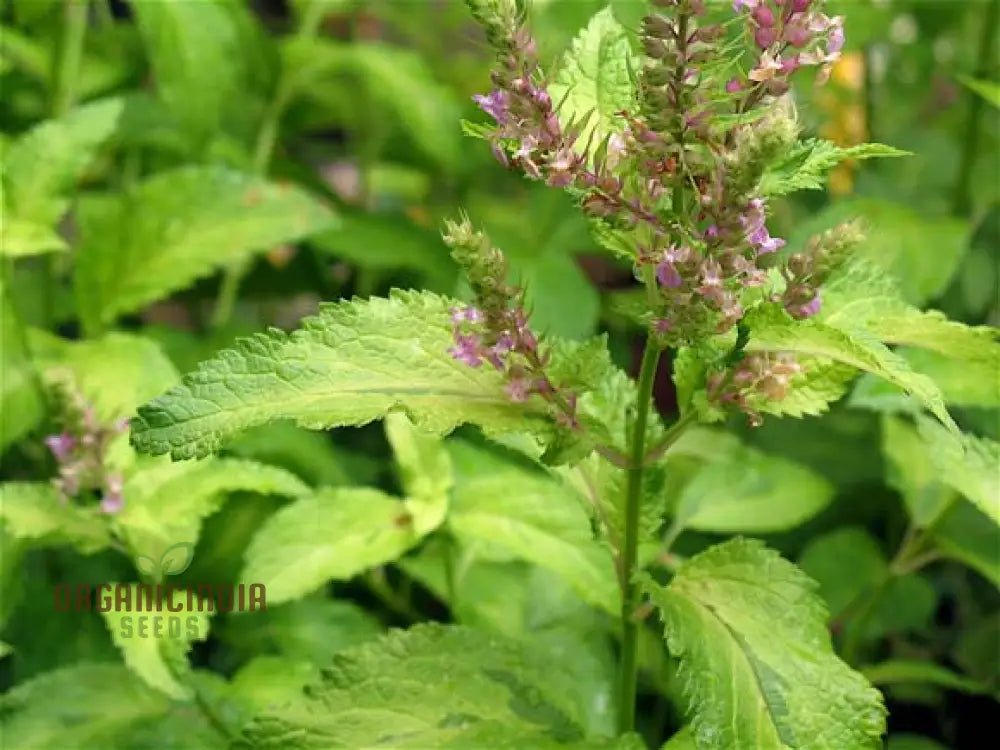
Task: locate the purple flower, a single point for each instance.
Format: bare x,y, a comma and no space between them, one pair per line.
809,309
518,389
61,445
835,42
112,501
468,314
467,350
495,104
667,275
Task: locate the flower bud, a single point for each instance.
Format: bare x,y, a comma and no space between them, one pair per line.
764,16
765,37
658,27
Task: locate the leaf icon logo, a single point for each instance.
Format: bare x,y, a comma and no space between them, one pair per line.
174,561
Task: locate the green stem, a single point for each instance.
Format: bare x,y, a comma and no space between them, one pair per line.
963,187
629,676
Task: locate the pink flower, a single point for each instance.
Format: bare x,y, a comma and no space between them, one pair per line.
496,104
61,445
467,350
766,68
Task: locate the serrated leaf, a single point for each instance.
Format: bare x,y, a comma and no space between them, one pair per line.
593,81
807,164
744,489
178,226
353,363
334,534
773,330
433,686
20,239
77,707
34,511
166,502
756,665
505,510
42,165
154,644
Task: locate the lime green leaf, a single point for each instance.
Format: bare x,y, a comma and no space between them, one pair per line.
353,363
922,251
178,226
165,502
968,382
773,330
967,463
154,644
422,462
34,511
115,373
989,90
683,740
19,239
334,534
434,686
21,397
808,163
756,664
911,472
43,165
79,707
594,80
505,510
898,671
267,682
744,489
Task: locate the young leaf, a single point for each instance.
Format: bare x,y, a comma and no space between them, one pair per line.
434,686
911,472
743,489
422,460
21,396
155,645
20,239
503,509
756,664
165,502
42,165
353,363
34,511
989,90
966,534
594,82
178,226
335,534
808,163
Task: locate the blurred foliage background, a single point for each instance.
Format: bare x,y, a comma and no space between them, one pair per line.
358,103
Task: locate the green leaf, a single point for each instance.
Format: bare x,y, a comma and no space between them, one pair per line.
165,502
21,397
311,629
967,463
594,80
334,534
79,707
910,471
34,511
433,686
154,644
989,90
178,226
20,239
115,373
267,682
771,329
807,164
913,742
906,605
353,363
963,382
743,489
422,462
756,664
966,534
898,671
682,740
922,251
45,163
505,510
200,57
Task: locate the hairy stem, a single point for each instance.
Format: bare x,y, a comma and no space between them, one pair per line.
963,186
630,629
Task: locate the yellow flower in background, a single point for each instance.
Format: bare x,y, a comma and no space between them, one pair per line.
845,111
